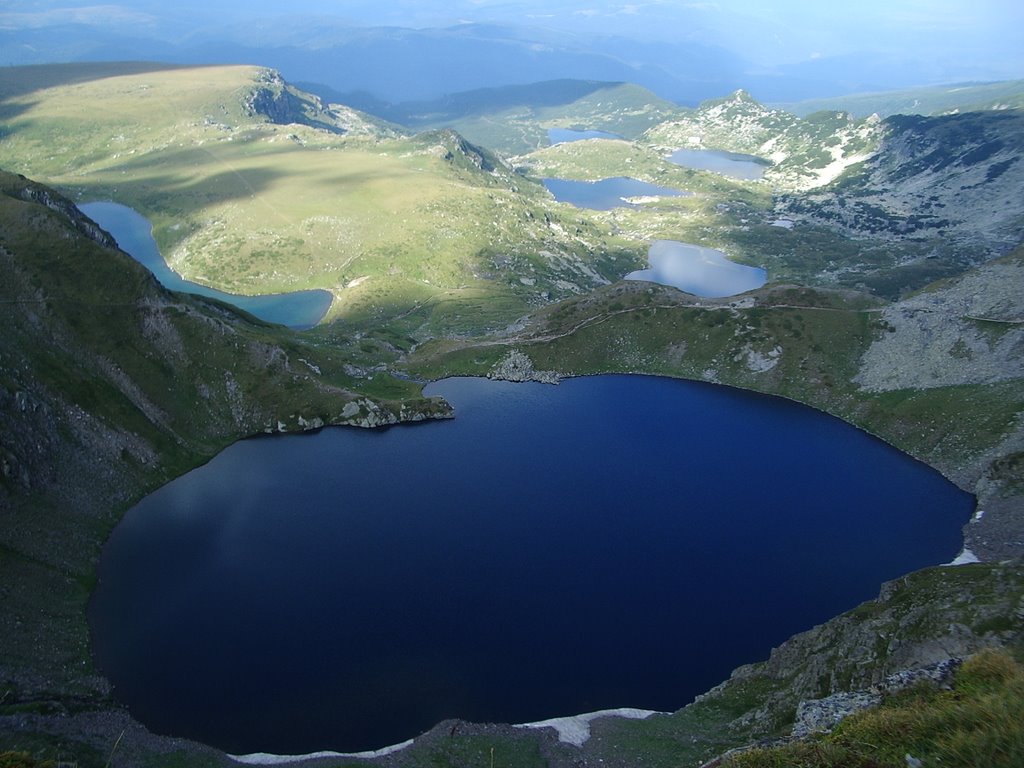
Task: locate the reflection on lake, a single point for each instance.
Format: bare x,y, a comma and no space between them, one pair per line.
608,193
615,541
134,235
698,270
730,164
564,135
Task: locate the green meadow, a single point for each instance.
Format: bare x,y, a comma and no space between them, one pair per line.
247,205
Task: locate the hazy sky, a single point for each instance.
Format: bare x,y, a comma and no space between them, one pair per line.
986,33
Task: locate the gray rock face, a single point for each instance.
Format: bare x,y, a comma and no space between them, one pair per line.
968,333
38,194
822,715
912,631
516,366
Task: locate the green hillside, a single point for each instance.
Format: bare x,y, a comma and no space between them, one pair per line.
515,120
254,187
109,387
894,301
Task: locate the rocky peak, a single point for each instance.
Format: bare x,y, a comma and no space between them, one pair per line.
31,192
272,98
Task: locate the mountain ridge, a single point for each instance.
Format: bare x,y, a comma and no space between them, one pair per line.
137,387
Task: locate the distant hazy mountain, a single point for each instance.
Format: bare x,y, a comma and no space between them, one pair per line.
398,64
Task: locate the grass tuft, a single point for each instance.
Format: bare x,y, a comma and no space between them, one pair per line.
978,723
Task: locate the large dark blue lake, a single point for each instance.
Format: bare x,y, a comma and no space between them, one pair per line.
133,232
614,541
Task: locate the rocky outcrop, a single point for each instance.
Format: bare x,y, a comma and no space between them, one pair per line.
912,630
957,177
31,192
822,715
969,331
280,103
517,366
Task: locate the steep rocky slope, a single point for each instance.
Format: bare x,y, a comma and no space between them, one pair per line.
955,180
109,387
804,152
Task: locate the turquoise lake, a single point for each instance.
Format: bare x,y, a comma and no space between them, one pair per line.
732,164
606,194
698,270
300,309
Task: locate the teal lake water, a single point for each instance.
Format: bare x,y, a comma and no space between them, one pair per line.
692,268
606,194
300,309
732,164
698,270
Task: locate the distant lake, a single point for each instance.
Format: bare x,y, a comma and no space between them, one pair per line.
732,164
563,135
608,193
615,541
698,270
134,234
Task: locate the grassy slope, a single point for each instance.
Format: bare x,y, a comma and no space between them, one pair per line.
250,206
109,387
516,120
793,341
978,722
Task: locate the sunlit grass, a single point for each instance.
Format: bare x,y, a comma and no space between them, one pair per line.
980,722
249,206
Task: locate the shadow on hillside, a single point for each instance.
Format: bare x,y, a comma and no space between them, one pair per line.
172,196
17,81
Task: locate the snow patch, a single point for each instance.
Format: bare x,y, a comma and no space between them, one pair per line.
263,758
576,729
964,558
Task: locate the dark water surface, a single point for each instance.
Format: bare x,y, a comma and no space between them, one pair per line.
732,164
610,542
606,194
133,232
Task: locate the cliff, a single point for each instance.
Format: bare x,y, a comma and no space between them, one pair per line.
109,387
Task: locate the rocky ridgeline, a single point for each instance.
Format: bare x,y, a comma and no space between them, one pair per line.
805,153
957,177
917,629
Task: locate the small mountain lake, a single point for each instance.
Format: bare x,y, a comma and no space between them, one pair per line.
606,194
565,135
698,270
732,164
134,234
614,541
